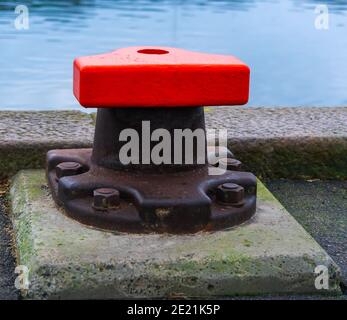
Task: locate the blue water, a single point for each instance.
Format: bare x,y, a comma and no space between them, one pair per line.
292,63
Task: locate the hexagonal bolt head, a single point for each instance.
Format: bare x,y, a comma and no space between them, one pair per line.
106,198
230,164
231,193
65,169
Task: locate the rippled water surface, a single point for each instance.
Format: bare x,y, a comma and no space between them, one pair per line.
292,62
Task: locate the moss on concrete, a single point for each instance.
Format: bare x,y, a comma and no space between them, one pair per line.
14,159
27,136
269,254
293,158
24,235
265,151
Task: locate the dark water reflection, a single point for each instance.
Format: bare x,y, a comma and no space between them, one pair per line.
335,6
292,63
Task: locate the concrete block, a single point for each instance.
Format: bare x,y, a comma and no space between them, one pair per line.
300,143
26,136
270,254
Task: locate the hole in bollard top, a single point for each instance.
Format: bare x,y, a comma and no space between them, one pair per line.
153,51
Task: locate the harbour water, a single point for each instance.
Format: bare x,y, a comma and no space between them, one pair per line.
293,63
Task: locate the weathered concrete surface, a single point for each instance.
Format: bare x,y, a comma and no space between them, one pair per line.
321,208
25,137
270,254
272,142
286,142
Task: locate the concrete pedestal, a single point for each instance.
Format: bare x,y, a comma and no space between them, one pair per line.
270,254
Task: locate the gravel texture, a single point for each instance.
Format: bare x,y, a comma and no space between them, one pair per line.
321,208
46,127
296,143
25,137
270,123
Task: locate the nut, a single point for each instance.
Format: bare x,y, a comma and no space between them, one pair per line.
106,198
230,164
231,193
65,169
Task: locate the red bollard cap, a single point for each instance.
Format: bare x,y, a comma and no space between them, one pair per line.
159,77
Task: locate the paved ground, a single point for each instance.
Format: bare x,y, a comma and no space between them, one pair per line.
321,208
269,123
296,143
73,127
25,137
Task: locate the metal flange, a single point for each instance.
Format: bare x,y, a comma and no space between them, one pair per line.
186,201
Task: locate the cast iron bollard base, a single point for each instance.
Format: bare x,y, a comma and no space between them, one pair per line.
95,188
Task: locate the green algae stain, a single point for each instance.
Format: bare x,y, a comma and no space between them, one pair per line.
294,159
23,220
264,194
247,243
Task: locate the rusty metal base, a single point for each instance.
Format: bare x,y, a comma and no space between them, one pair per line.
177,202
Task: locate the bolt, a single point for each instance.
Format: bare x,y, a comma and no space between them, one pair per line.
106,198
64,169
230,164
230,193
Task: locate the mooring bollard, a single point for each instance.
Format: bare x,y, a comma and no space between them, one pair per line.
140,176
